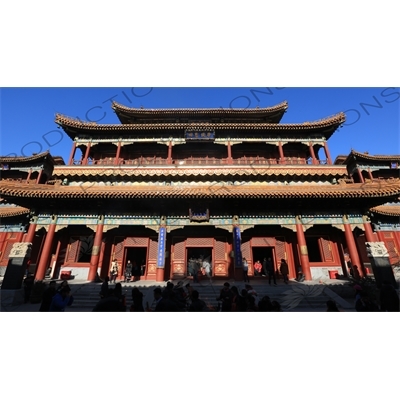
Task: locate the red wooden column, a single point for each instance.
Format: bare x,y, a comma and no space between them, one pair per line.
20,236
31,231
301,240
369,234
327,153
314,159
169,157
230,160
116,162
351,245
94,260
72,154
29,175
281,155
46,251
360,175
370,174
39,176
85,159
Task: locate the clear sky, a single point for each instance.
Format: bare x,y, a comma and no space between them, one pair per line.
27,114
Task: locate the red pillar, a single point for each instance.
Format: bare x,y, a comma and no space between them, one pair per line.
72,155
85,159
369,234
370,174
351,245
31,231
314,159
360,175
116,162
39,176
46,251
94,260
29,175
20,236
169,158
301,240
327,153
230,160
281,155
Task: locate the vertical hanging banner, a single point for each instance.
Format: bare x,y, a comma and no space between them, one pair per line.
236,247
161,247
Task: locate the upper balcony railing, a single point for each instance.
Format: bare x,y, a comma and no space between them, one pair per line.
109,161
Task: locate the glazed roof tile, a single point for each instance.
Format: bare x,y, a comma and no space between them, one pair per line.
367,156
249,170
393,211
20,159
203,191
154,111
12,211
65,121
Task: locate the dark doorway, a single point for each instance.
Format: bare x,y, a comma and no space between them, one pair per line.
197,257
260,252
138,257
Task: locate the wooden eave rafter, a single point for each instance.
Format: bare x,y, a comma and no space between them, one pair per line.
392,211
72,126
203,191
12,211
199,171
370,157
25,159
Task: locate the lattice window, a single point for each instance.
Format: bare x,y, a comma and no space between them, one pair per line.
392,250
280,251
219,250
179,251
153,249
388,235
7,250
73,249
119,250
261,242
326,246
199,242
135,241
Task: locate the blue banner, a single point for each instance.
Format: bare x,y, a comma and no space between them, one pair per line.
161,247
237,247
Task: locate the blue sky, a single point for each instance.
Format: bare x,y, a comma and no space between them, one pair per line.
27,114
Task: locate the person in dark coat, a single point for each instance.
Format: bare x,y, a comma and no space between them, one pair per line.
109,303
128,271
164,303
61,299
331,306
388,297
271,271
137,300
226,296
28,285
104,288
48,295
284,268
197,304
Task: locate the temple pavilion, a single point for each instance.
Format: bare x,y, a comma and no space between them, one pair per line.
165,186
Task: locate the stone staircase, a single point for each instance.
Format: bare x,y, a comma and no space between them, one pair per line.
292,297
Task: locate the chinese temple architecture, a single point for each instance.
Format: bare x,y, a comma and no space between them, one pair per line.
168,185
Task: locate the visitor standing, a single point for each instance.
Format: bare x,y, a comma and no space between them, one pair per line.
245,270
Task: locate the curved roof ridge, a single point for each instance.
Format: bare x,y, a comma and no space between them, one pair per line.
374,157
333,119
24,158
117,106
